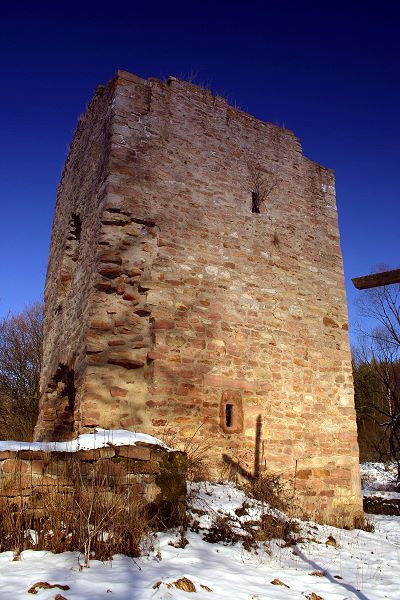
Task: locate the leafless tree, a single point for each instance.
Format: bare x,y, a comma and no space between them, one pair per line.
380,351
20,362
262,185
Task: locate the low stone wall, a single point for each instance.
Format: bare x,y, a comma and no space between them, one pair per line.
378,505
152,473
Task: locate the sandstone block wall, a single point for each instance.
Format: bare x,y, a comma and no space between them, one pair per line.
28,478
171,306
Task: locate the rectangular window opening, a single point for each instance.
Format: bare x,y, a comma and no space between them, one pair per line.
255,203
228,415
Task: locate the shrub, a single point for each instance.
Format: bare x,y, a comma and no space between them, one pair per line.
269,489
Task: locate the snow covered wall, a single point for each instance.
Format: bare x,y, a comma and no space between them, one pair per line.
29,472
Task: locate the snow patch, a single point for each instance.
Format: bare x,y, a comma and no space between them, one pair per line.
356,565
87,441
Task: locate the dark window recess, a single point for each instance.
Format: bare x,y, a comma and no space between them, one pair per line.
75,228
255,202
228,415
70,255
73,238
61,396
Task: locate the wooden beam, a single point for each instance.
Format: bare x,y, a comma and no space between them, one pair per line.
377,279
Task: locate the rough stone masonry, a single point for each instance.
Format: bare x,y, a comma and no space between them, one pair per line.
195,287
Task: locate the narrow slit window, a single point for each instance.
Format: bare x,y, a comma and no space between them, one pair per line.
255,202
75,228
228,415
73,237
70,255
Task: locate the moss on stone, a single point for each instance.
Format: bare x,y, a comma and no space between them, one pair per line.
172,476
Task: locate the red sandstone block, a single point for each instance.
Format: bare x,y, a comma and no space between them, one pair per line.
110,257
154,355
89,422
99,323
183,389
7,454
321,472
129,359
96,454
136,488
118,391
303,474
163,324
302,484
186,373
37,467
133,298
327,493
13,465
131,422
31,454
104,285
227,382
117,342
135,452
92,414
328,322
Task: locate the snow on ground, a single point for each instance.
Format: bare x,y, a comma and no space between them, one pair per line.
382,494
356,565
86,441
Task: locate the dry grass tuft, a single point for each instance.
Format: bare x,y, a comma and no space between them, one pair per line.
97,518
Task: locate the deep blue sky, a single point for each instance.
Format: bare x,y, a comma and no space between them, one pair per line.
330,71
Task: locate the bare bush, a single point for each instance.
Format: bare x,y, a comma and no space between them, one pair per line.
269,525
262,185
20,363
223,530
197,449
95,517
269,489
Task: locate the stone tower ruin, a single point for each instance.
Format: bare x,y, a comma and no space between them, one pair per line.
195,286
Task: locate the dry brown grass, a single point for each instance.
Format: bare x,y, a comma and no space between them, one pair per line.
197,449
96,518
269,489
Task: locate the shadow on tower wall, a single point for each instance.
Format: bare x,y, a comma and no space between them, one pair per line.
237,469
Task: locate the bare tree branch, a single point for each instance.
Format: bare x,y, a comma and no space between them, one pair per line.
379,353
20,363
262,185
